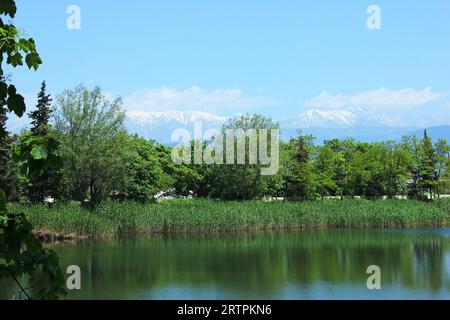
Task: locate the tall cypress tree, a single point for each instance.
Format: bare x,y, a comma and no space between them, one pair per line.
297,174
40,116
43,184
427,165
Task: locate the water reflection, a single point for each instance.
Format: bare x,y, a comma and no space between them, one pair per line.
325,264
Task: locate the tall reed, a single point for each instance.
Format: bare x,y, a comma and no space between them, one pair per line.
185,216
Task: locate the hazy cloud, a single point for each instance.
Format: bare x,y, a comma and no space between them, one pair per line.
381,99
195,98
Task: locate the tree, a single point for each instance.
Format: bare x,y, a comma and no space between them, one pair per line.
93,142
40,116
427,165
7,175
299,182
442,156
343,151
446,175
240,181
20,253
412,147
323,166
144,173
395,163
44,183
365,171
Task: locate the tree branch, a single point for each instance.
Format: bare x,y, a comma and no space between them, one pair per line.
16,281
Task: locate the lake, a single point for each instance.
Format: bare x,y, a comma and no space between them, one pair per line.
319,264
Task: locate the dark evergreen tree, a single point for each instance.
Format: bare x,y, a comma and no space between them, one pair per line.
298,174
301,154
427,165
45,183
40,116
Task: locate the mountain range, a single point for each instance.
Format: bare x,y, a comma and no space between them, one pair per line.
160,125
357,123
344,123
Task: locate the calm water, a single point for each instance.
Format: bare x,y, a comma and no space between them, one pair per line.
326,264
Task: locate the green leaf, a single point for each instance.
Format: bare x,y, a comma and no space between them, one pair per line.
33,60
39,153
16,102
8,7
15,59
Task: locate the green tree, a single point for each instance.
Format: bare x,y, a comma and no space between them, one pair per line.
144,173
240,181
365,171
343,151
395,162
7,172
442,156
427,165
412,147
323,166
40,116
446,176
93,142
20,253
42,184
299,180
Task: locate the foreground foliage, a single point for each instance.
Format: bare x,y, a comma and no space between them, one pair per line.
21,254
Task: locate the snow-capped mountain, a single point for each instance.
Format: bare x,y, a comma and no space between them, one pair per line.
344,118
350,122
160,125
358,123
182,117
318,118
344,123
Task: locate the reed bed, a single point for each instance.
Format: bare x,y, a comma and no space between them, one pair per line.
208,216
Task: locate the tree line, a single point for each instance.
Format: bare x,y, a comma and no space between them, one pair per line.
99,160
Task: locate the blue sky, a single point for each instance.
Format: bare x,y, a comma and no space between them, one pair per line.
278,58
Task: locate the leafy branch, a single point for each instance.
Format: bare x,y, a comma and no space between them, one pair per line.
20,252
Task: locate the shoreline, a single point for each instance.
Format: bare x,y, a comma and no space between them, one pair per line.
65,222
56,237
47,236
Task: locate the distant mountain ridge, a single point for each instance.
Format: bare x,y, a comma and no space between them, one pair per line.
342,118
324,125
183,117
160,125
341,124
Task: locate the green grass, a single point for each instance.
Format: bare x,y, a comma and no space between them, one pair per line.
185,216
